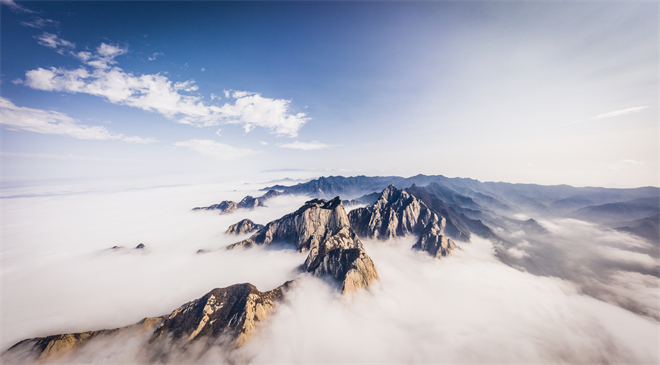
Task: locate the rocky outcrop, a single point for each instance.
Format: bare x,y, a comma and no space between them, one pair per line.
229,314
249,202
396,213
434,241
321,228
233,312
243,227
53,347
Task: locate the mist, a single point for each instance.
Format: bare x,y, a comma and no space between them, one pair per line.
595,302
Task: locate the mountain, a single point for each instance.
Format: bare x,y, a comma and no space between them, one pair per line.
397,213
231,314
646,227
249,202
456,226
495,196
321,228
243,227
616,212
433,241
55,346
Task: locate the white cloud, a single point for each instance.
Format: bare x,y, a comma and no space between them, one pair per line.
53,41
619,112
15,7
215,149
263,143
241,94
213,96
203,69
153,57
307,146
157,93
40,23
17,118
17,82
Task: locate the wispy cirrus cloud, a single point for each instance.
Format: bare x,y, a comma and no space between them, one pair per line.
617,113
54,41
157,93
218,150
40,23
15,7
17,118
306,146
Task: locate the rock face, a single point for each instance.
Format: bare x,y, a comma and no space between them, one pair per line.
231,314
243,227
52,347
321,228
434,241
397,213
249,202
233,311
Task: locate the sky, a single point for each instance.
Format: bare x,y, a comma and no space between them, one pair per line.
523,92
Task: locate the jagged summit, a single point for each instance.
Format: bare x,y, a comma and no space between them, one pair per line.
229,314
321,228
397,213
243,227
249,202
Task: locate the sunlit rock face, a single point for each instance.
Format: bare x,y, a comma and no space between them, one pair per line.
224,315
243,227
434,241
321,228
397,213
233,312
53,347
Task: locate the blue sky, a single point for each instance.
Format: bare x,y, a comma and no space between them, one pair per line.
544,93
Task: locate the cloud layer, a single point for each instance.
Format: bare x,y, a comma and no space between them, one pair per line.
17,118
157,93
469,307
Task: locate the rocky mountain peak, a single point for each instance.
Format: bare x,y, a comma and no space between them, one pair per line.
396,213
321,228
243,227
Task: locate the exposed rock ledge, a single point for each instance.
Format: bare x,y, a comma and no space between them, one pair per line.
321,228
397,213
230,313
243,227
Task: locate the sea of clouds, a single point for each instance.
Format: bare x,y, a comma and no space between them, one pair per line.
59,275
